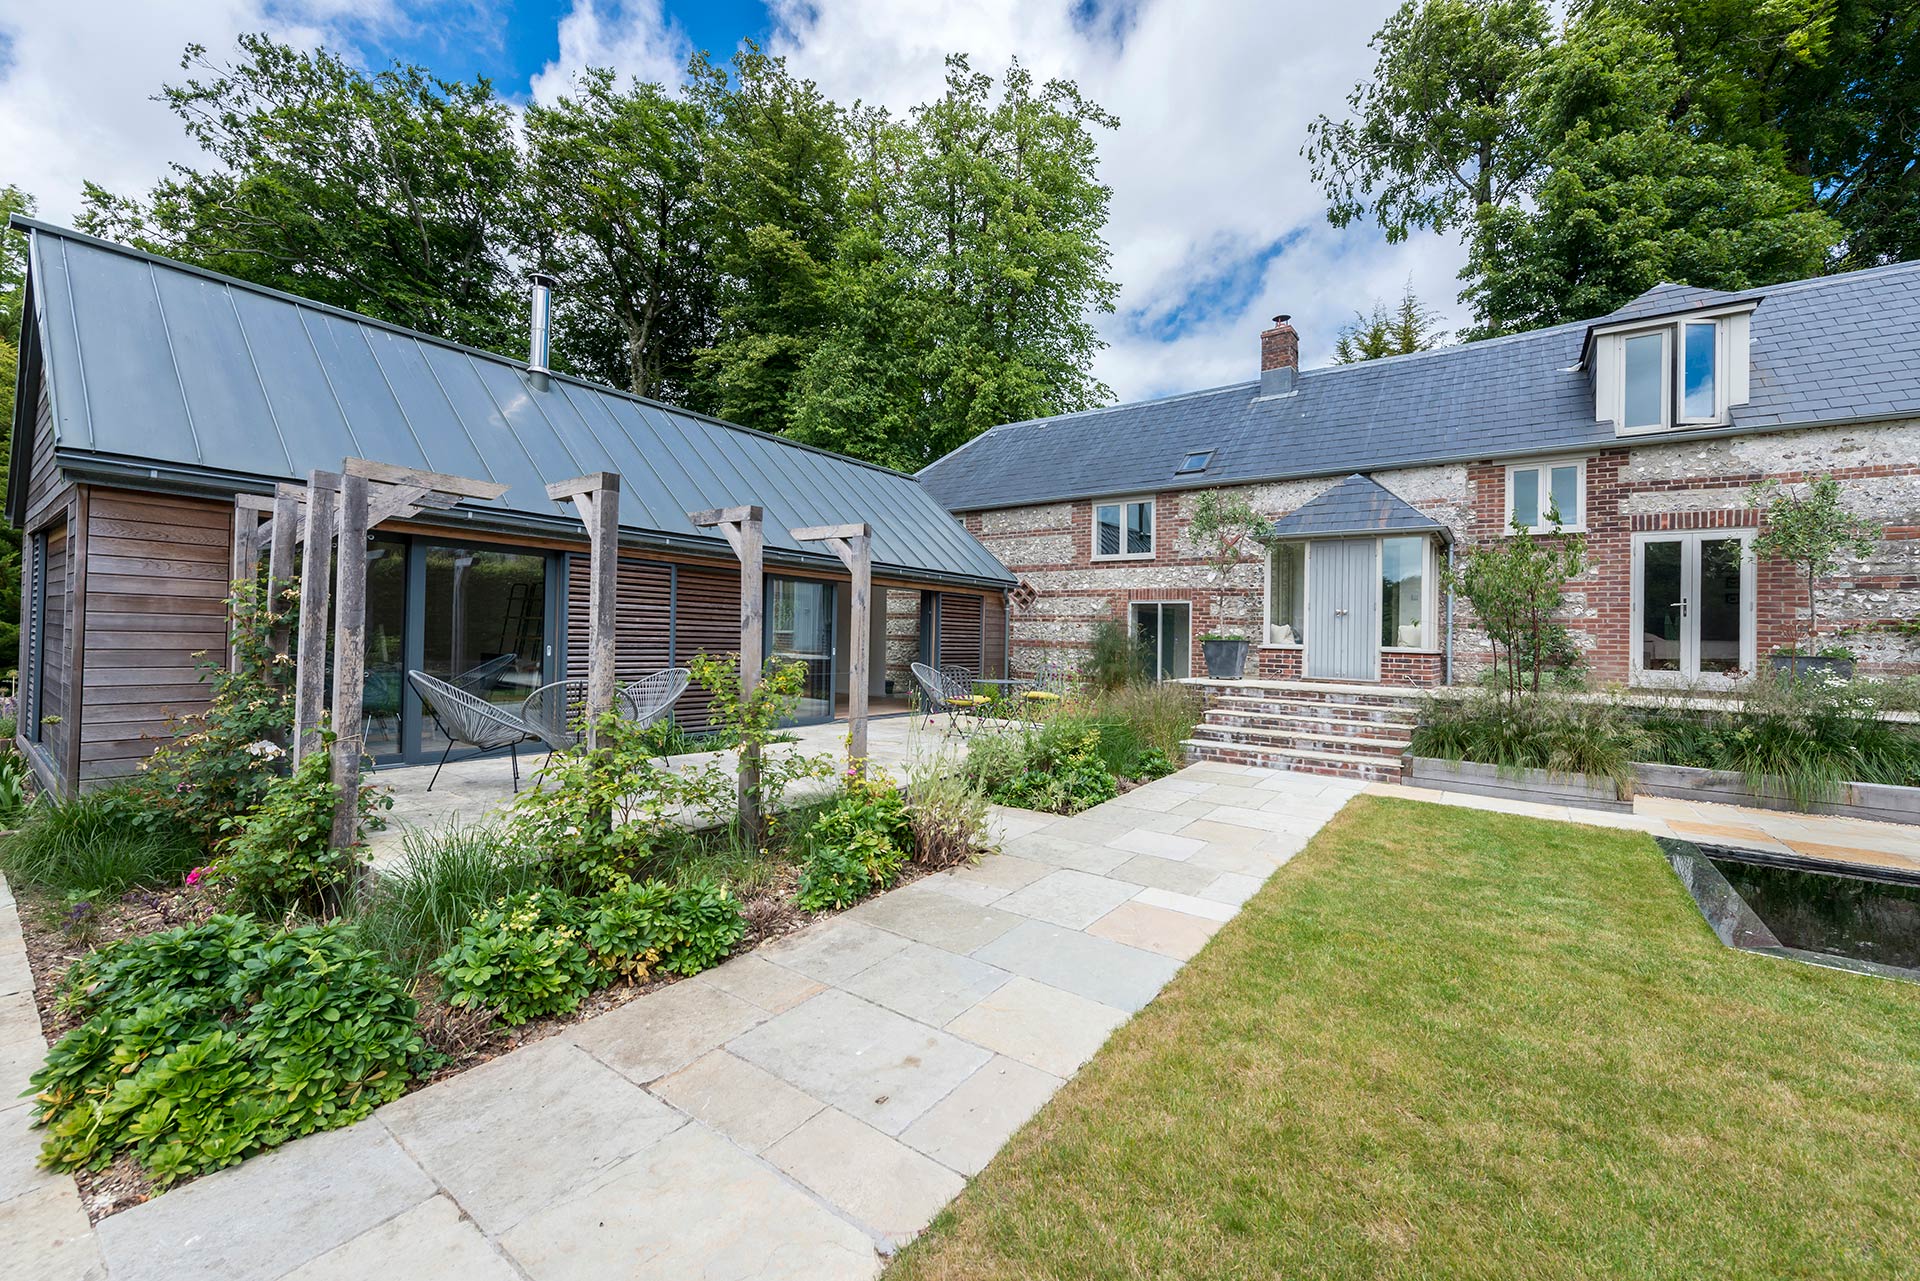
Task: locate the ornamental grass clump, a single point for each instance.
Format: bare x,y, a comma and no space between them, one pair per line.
414,910
204,1044
1544,731
99,844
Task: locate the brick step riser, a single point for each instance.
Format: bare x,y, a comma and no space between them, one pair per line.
1384,749
1229,755
1296,707
1377,735
1359,694
1376,725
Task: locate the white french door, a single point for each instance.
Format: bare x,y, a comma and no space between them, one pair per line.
1693,609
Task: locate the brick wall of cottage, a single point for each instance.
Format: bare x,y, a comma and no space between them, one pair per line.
1634,487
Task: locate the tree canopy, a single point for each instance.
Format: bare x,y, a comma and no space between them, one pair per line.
1401,330
742,245
1717,143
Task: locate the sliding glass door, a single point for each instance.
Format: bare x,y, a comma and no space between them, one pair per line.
1165,632
800,629
483,624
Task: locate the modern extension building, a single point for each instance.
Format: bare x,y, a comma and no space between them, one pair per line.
152,394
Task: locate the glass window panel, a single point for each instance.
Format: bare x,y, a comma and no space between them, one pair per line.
1660,593
1566,494
1287,593
1146,630
1139,529
1175,642
1720,613
1106,530
1402,571
1646,361
485,625
1700,349
385,654
1526,497
800,630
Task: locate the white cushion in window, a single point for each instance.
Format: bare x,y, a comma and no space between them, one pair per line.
1409,636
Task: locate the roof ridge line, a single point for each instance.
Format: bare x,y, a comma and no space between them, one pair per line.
359,317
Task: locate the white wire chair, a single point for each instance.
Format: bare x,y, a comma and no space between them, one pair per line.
557,712
466,718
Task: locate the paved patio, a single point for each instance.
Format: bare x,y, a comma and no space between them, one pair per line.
795,1113
474,790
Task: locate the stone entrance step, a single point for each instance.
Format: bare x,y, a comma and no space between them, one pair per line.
1349,730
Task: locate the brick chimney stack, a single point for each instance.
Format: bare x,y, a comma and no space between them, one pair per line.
1280,346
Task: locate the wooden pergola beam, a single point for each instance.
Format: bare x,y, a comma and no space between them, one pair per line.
440,482
596,497
349,659
742,528
853,544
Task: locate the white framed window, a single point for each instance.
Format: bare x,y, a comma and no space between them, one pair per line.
1123,530
1647,370
1699,372
1406,592
1287,594
1538,491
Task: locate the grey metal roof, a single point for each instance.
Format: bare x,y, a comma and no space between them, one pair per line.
152,362
1834,348
1357,505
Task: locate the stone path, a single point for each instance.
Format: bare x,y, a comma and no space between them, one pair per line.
795,1113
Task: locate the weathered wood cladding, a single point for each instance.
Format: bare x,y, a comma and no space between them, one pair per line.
44,480
994,641
962,632
154,609
52,652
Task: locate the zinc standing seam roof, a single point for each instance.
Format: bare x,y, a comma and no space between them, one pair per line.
1833,348
154,362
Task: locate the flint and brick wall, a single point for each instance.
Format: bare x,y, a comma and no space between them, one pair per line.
1635,486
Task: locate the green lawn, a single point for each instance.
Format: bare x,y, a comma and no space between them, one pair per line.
1450,1043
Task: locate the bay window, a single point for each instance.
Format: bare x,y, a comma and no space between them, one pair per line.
1287,594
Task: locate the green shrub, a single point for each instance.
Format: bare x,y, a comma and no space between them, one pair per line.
1160,716
99,844
856,846
1115,659
414,911
280,857
521,958
947,812
995,760
1533,732
16,784
652,925
206,1043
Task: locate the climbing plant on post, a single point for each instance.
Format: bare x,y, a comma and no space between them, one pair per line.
742,528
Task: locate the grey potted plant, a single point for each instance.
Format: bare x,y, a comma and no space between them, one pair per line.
1229,531
1813,531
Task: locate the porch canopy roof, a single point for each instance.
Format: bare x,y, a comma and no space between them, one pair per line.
161,372
1357,505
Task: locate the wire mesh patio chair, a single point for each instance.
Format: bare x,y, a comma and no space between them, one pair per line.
557,712
482,677
466,718
949,690
1052,685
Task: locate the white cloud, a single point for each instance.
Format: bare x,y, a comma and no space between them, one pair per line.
637,39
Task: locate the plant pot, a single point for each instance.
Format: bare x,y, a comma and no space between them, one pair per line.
1225,659
1798,665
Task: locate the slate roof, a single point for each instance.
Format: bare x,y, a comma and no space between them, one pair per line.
152,362
1357,505
1834,348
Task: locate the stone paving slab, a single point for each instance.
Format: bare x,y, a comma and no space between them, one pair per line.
44,1237
752,1107
933,918
965,1129
880,1067
692,1206
432,1238
774,988
1156,929
835,950
1146,870
989,879
927,983
1040,1026
1066,897
1096,968
20,1170
1050,848
515,1134
665,1030
269,1215
873,1178
1188,903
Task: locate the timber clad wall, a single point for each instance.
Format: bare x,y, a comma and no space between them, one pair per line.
961,632
666,614
153,610
56,721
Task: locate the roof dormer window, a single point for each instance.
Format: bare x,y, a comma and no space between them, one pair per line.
1683,373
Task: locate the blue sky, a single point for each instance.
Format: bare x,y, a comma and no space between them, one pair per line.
512,42
1215,223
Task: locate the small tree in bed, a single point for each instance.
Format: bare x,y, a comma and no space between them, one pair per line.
1515,588
1812,531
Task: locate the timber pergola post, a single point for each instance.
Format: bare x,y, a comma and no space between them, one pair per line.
345,504
597,496
853,544
742,528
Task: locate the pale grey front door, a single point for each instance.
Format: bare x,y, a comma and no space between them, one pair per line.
1343,604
